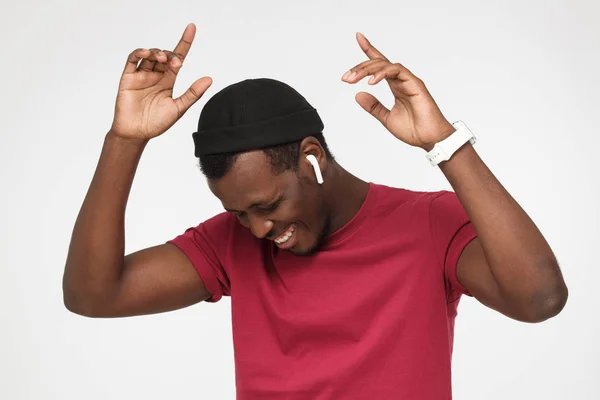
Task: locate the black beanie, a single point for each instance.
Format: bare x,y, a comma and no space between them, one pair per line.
254,114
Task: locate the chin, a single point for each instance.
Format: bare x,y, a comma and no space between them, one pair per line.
307,250
304,252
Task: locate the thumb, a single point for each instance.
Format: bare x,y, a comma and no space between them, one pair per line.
186,100
371,105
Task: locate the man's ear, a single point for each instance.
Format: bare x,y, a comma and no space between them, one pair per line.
311,146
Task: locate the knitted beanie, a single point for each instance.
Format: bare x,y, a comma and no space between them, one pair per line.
254,114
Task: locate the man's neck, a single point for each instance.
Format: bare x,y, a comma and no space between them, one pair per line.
345,195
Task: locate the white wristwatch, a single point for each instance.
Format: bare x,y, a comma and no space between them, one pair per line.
443,150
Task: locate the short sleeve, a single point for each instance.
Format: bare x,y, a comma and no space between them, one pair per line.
198,244
451,231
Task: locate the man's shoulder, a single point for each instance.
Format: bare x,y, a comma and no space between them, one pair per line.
222,218
225,223
222,230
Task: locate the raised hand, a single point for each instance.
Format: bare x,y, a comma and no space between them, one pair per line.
415,117
145,107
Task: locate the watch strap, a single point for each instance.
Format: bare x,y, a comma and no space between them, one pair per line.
442,151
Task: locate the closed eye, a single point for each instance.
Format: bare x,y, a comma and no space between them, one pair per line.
264,209
271,207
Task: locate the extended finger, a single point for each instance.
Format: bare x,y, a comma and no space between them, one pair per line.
148,62
185,43
368,48
367,68
133,59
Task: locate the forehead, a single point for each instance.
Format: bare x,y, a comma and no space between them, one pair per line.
250,180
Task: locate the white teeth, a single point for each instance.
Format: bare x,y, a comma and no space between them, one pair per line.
286,237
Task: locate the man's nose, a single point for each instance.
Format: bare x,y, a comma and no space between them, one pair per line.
260,227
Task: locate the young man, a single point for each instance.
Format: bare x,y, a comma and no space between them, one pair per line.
340,289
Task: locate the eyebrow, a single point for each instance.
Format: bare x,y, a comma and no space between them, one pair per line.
259,203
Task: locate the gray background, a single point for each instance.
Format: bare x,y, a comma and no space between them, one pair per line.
522,75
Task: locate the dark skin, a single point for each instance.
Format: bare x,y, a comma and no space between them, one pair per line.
509,267
268,203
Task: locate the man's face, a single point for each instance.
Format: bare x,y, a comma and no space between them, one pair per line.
286,208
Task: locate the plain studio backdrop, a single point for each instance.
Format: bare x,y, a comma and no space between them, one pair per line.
522,75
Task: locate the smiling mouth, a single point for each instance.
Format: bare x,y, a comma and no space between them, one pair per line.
285,236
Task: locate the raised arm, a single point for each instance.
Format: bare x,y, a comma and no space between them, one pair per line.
509,266
99,281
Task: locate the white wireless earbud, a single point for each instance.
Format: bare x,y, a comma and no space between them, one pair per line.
313,160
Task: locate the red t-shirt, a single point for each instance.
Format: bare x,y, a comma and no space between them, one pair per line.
369,316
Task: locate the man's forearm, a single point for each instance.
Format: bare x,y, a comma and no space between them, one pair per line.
521,260
97,245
